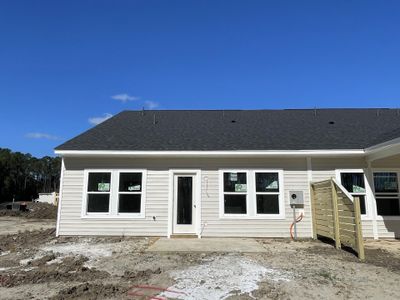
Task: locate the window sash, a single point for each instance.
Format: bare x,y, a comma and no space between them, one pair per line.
129,192
387,195
88,192
233,193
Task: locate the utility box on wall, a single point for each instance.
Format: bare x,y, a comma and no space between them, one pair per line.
296,198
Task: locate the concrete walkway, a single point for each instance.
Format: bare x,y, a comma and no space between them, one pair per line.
206,245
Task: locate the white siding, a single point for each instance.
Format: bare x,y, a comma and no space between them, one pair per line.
71,223
294,175
293,180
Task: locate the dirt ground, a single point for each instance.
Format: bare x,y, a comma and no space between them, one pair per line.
36,265
36,210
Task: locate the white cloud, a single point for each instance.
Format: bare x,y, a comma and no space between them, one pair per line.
124,98
98,120
41,135
151,104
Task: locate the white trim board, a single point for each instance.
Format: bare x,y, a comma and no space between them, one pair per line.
60,194
232,153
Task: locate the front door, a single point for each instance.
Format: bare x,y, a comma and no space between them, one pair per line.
184,204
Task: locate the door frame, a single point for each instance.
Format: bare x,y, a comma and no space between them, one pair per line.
196,201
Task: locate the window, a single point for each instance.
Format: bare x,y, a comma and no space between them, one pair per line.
354,183
98,192
235,192
114,193
267,193
129,192
387,193
251,194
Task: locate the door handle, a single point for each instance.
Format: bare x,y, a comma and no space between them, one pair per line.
194,206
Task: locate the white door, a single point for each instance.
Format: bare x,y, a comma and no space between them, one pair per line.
184,204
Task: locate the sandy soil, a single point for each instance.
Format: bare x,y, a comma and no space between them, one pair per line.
36,265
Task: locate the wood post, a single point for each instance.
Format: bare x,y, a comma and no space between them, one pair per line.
314,221
359,238
335,212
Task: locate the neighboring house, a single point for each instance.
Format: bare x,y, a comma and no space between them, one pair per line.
227,173
50,198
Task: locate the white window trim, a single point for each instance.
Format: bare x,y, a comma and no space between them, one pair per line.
385,170
251,202
114,192
369,195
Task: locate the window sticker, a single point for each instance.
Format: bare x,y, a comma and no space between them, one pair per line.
103,187
272,186
134,188
240,187
233,177
358,189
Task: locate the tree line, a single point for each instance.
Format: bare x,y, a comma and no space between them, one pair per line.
23,176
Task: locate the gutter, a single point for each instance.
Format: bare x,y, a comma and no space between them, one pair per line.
234,153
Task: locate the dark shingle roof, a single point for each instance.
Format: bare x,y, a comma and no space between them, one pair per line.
297,129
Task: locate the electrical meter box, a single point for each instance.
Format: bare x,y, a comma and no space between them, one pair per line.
296,198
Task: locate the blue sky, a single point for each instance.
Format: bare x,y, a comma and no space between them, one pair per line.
65,65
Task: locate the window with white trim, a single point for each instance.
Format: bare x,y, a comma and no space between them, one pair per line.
114,193
129,192
354,183
235,193
267,192
251,194
387,196
98,192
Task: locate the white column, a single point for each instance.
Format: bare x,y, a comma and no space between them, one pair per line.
372,201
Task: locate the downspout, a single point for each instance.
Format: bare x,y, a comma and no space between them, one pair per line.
60,196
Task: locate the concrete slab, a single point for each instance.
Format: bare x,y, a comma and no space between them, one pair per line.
207,245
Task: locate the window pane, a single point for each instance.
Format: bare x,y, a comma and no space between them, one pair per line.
185,200
130,182
388,207
98,202
385,182
353,182
235,182
129,203
267,182
267,204
235,204
99,182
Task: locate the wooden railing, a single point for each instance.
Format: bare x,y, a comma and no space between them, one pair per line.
336,215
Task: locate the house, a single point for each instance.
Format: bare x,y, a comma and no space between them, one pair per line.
227,173
50,198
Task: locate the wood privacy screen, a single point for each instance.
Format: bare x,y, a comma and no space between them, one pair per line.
336,215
